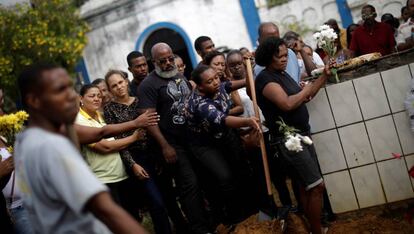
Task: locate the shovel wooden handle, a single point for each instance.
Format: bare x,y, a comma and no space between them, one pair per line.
251,87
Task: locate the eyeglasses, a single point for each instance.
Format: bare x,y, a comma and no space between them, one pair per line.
366,16
164,61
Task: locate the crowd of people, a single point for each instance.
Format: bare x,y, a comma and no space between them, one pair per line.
185,149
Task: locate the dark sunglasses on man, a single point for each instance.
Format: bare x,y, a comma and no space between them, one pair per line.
163,61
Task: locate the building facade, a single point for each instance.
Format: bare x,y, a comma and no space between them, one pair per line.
120,26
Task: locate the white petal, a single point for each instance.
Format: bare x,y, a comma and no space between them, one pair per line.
324,27
307,140
316,36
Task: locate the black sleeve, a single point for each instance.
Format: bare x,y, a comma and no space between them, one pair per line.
227,86
147,95
261,81
127,158
109,116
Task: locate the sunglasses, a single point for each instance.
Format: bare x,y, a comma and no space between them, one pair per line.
165,60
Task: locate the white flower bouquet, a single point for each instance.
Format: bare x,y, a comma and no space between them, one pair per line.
325,39
293,138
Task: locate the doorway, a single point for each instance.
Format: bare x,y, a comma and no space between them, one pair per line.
176,42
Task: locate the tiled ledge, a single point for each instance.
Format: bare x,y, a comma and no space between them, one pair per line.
384,63
357,125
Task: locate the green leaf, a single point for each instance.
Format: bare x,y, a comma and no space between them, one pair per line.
51,30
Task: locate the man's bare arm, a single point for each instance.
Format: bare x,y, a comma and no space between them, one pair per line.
308,62
112,215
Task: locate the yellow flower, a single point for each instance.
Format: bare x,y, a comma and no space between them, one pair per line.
11,124
22,115
10,149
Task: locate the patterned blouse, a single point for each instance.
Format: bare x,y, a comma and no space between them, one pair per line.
114,113
207,115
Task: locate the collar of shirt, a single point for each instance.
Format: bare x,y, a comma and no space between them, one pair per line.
87,116
371,29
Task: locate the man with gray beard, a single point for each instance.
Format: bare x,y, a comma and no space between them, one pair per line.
165,91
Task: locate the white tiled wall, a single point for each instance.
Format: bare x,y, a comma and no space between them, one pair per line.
395,179
383,136
344,103
405,134
359,127
340,191
411,66
371,96
356,145
395,84
319,108
367,186
329,150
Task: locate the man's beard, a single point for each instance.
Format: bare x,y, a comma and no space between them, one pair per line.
166,74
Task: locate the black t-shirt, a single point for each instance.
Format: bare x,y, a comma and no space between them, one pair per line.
133,88
168,97
298,118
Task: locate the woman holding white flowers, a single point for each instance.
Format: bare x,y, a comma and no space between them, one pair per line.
280,97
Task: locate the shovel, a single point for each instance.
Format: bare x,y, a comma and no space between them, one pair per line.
271,211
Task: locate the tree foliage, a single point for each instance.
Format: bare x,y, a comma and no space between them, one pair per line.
45,30
273,3
300,27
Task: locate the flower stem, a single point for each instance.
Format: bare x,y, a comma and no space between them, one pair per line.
335,73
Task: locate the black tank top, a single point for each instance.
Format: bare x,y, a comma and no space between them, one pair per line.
298,118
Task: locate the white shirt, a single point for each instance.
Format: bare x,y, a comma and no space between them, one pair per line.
56,183
404,31
316,59
9,191
248,107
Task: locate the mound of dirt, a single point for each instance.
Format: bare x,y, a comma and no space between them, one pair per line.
372,220
252,226
296,225
372,223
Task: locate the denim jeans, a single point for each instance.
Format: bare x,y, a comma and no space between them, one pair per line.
21,220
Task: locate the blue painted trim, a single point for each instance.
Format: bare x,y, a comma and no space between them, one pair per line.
251,18
145,34
344,12
81,68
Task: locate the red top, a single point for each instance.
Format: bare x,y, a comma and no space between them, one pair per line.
379,39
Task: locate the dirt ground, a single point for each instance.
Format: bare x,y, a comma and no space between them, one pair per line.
385,219
389,218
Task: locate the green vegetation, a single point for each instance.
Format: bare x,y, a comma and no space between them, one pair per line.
273,3
42,31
